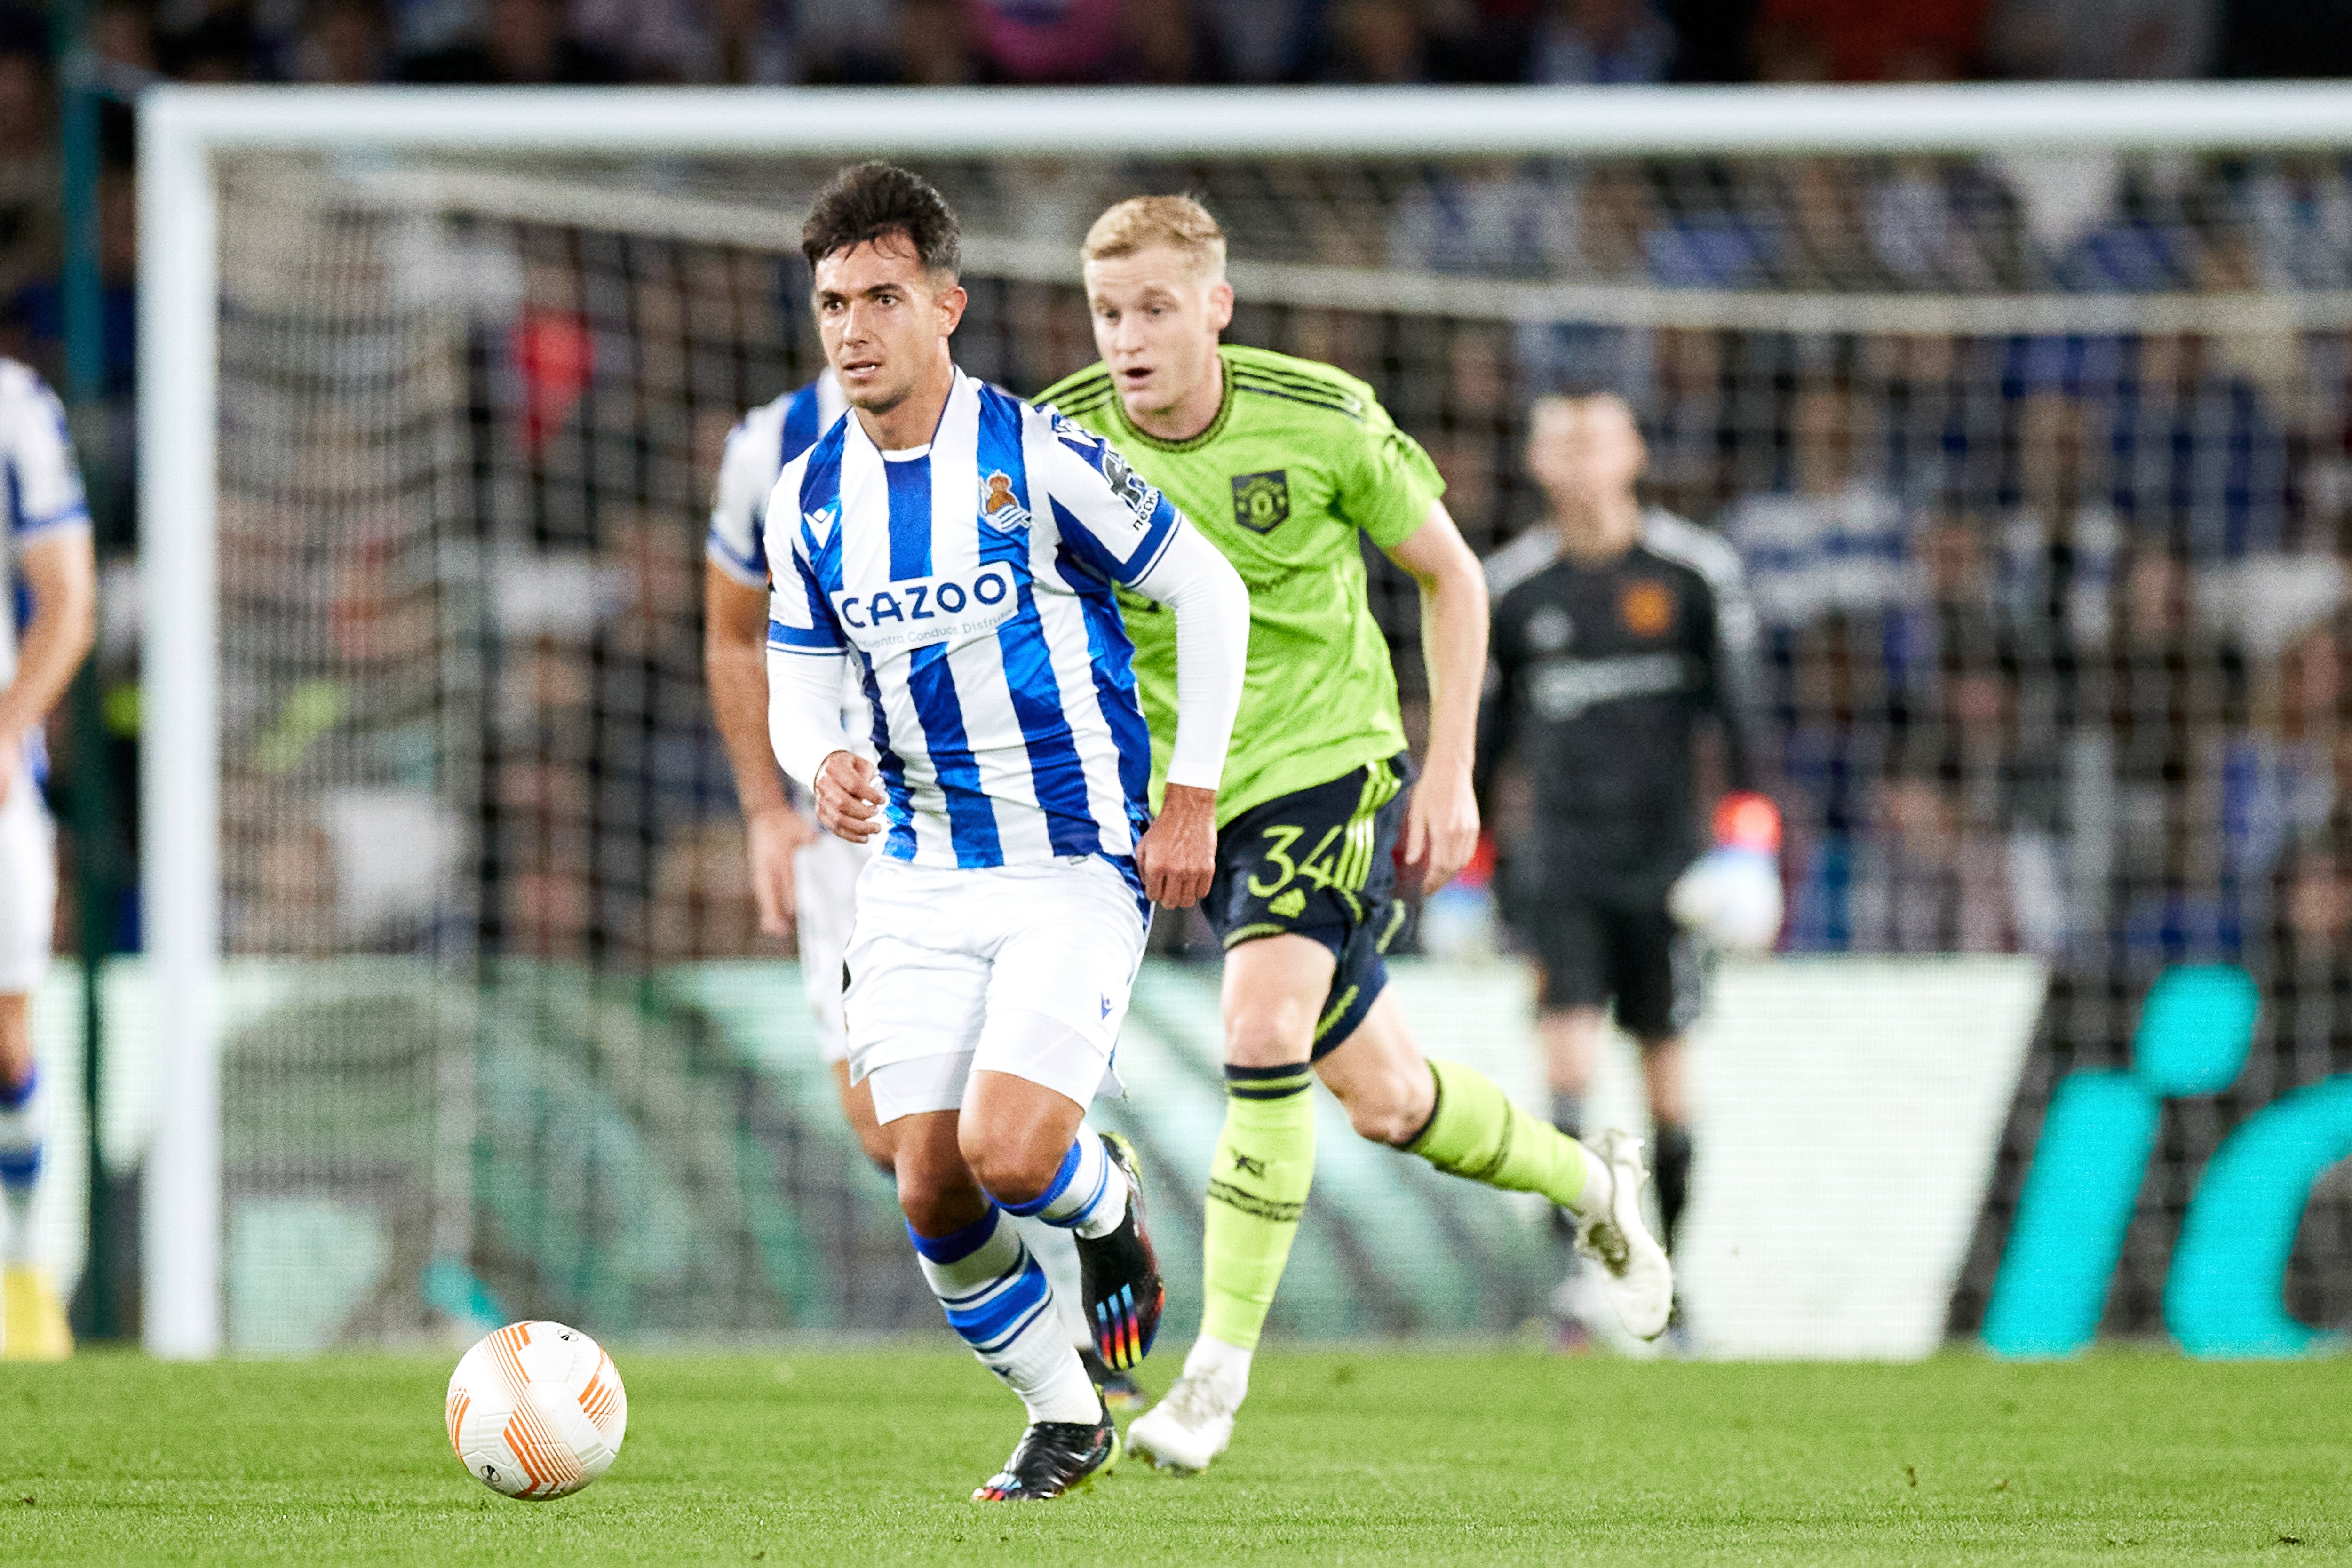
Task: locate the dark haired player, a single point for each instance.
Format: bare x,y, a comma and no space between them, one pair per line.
802,877
1616,632
958,550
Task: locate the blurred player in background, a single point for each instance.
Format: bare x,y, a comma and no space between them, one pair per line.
959,548
1287,466
47,548
802,878
1617,632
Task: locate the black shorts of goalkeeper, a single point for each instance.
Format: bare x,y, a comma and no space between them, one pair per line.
1320,863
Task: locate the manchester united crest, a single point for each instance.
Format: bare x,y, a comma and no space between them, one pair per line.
1261,501
1646,607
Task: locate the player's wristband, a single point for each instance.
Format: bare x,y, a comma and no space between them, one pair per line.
1747,820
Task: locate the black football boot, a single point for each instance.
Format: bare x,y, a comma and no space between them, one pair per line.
1121,1393
1119,1274
1053,1458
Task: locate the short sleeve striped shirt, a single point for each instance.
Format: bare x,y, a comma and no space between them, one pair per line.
43,487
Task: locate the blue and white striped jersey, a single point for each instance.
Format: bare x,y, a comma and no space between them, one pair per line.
44,488
759,446
971,579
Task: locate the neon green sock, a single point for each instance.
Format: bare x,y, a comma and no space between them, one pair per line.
1476,1131
1258,1187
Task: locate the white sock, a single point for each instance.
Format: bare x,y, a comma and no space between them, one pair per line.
1599,1185
1087,1195
997,1299
1058,1254
19,1251
24,1128
1227,1368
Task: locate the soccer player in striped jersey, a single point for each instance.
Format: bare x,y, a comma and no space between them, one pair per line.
1283,464
958,549
45,544
800,877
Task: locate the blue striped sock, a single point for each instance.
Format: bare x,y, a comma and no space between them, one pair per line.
23,1127
1087,1195
999,1302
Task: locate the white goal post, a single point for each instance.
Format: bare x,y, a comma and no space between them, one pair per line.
182,130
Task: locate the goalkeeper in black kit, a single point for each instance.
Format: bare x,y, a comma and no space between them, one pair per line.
1618,632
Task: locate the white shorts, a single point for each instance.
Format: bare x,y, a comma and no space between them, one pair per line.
28,884
1018,969
824,887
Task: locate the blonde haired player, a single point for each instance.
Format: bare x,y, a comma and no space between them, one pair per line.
1282,463
44,541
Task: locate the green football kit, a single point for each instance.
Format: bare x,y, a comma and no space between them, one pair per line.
1299,461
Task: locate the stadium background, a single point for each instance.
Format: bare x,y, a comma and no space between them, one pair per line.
2053,598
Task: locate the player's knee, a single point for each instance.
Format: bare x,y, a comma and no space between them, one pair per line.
1385,1106
937,1197
1012,1171
928,1204
16,1039
1269,1033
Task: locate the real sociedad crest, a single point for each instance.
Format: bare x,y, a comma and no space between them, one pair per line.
998,505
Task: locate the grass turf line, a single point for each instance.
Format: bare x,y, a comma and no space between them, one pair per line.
1389,1457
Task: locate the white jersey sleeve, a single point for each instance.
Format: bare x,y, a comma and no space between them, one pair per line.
800,617
1212,606
1113,519
761,443
44,487
39,486
747,472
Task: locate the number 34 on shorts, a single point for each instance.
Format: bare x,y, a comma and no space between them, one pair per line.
1318,861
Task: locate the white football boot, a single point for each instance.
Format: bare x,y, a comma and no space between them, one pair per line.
1636,1276
1187,1429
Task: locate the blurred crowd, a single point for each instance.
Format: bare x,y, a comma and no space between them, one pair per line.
2057,640
936,42
2056,635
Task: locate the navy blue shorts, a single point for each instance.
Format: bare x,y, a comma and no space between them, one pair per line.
1320,863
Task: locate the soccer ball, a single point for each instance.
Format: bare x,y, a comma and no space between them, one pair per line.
1731,898
536,1411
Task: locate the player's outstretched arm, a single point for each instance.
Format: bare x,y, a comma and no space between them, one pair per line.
60,570
1194,579
735,664
1441,827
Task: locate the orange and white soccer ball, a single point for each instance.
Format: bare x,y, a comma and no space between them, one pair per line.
536,1411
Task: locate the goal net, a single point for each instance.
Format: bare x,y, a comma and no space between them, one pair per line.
2038,465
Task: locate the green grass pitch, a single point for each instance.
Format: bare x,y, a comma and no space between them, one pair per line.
1376,1456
